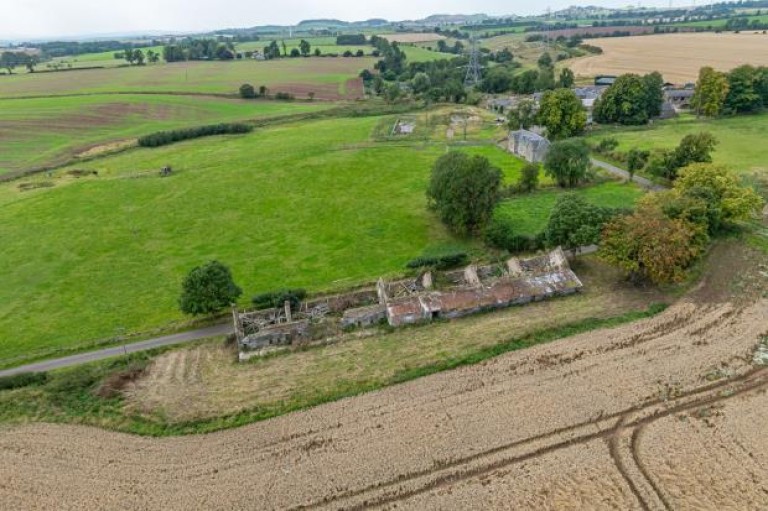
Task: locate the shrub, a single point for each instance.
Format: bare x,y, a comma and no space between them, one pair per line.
529,177
277,298
247,91
287,96
21,380
162,138
442,262
499,234
607,145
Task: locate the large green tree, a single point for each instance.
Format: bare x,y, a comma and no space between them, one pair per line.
631,100
464,190
562,114
523,115
567,162
574,222
722,188
711,92
654,93
651,246
743,95
208,289
305,47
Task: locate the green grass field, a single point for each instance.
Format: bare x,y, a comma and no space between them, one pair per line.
288,206
720,23
106,59
528,214
740,138
314,204
329,78
48,131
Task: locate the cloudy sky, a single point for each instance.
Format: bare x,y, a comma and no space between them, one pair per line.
50,18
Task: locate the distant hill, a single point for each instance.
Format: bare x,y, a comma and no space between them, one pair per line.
455,18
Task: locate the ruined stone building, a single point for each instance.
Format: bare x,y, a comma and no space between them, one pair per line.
404,302
528,145
474,290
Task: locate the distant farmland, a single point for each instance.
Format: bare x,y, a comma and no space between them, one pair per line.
677,56
40,132
413,38
328,78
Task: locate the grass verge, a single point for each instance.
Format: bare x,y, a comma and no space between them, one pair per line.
72,395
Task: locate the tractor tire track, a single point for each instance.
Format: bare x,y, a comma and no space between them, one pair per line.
648,413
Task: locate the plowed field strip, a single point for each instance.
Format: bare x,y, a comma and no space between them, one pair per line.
754,380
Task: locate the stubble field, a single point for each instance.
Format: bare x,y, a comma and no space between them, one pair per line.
676,56
663,413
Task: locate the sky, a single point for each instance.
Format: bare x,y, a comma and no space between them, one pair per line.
52,18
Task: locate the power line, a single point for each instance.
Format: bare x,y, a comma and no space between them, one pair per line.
473,69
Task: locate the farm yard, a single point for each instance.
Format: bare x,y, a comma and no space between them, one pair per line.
678,57
632,417
53,130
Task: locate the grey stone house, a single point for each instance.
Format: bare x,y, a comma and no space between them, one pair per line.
528,145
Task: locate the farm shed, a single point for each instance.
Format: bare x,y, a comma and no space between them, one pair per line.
679,98
528,145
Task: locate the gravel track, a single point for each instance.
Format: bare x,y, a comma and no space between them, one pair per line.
541,428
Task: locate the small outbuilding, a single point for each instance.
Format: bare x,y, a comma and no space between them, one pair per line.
528,145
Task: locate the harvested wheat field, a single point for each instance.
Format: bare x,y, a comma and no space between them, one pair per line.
665,413
676,56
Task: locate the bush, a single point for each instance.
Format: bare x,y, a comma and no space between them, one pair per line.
247,91
21,380
73,380
607,145
274,299
162,138
442,262
287,96
499,234
529,177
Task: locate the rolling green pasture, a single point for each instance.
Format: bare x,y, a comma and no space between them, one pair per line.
106,59
326,44
317,204
288,206
327,77
741,138
528,214
47,131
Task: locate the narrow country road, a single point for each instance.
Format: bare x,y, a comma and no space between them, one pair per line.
645,183
82,358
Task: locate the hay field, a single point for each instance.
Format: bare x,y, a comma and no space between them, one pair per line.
666,413
328,78
677,56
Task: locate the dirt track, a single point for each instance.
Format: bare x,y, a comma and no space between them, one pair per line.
610,419
677,56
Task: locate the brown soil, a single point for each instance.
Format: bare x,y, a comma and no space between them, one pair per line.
666,413
677,56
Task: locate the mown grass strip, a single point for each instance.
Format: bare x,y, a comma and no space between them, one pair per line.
68,396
